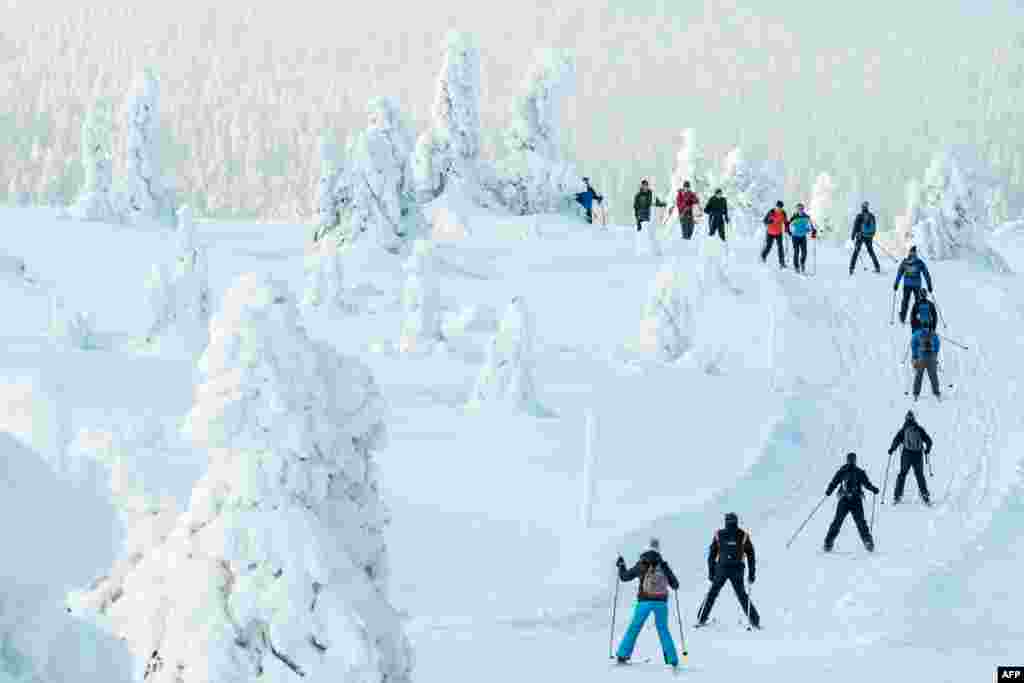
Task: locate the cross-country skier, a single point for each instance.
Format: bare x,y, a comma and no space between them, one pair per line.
686,201
587,199
777,223
717,211
642,204
924,313
656,578
924,350
916,444
864,228
800,226
850,480
725,563
910,271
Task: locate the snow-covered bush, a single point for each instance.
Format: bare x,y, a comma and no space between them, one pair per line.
506,377
278,569
179,292
68,330
333,190
96,201
669,323
146,190
535,178
421,300
822,206
948,213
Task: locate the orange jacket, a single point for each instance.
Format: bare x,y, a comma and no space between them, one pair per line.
777,221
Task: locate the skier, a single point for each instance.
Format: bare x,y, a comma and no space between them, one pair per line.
642,204
717,212
916,444
725,563
777,222
587,199
924,350
656,578
924,313
686,200
801,225
864,228
850,479
910,271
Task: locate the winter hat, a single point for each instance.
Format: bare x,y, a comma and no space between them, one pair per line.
779,204
718,191
655,544
913,250
731,519
851,458
686,183
864,205
910,416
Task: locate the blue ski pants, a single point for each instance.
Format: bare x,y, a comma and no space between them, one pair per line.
640,614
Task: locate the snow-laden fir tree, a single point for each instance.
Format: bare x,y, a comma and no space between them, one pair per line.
948,216
692,165
751,190
333,190
449,151
421,301
669,321
822,206
179,292
96,201
278,569
507,376
534,175
146,191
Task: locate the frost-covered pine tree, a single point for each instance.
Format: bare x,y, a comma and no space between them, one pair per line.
421,301
278,569
693,166
669,322
506,377
821,206
146,191
449,151
751,190
534,175
333,190
96,201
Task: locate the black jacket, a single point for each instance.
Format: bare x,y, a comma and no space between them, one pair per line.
731,535
862,481
717,210
858,225
897,440
642,204
650,558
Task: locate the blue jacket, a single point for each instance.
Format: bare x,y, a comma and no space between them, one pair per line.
917,340
864,226
910,271
588,197
800,225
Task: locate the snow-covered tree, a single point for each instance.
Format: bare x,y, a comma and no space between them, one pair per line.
506,377
146,191
333,189
421,300
535,176
821,206
751,190
96,201
692,165
278,569
325,281
669,321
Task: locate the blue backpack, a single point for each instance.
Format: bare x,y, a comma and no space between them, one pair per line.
867,226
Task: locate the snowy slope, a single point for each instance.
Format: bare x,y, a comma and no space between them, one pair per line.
489,557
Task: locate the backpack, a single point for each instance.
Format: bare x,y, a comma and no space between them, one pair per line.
655,582
924,314
927,343
850,486
867,226
731,551
912,440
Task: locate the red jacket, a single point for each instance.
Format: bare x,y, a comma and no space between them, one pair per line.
685,201
777,221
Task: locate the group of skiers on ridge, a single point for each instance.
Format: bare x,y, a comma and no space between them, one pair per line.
731,545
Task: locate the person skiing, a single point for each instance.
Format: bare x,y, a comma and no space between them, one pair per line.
850,480
924,313
642,204
910,271
777,223
656,578
717,211
725,563
924,350
916,444
800,226
686,200
587,198
864,228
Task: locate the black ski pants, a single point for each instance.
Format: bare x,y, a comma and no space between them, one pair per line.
776,239
869,244
717,225
799,253
907,291
931,364
686,225
733,575
846,506
908,460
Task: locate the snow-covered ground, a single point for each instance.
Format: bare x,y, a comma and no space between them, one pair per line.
489,557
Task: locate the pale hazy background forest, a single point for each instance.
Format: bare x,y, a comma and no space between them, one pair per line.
865,91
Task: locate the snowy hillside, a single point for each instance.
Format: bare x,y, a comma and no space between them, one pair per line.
707,382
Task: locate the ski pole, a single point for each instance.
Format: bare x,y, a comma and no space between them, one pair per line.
750,598
615,605
954,343
679,618
885,485
874,506
935,302
797,532
927,459
892,314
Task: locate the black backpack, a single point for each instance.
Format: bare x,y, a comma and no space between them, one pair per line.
850,485
924,314
927,342
730,547
912,440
